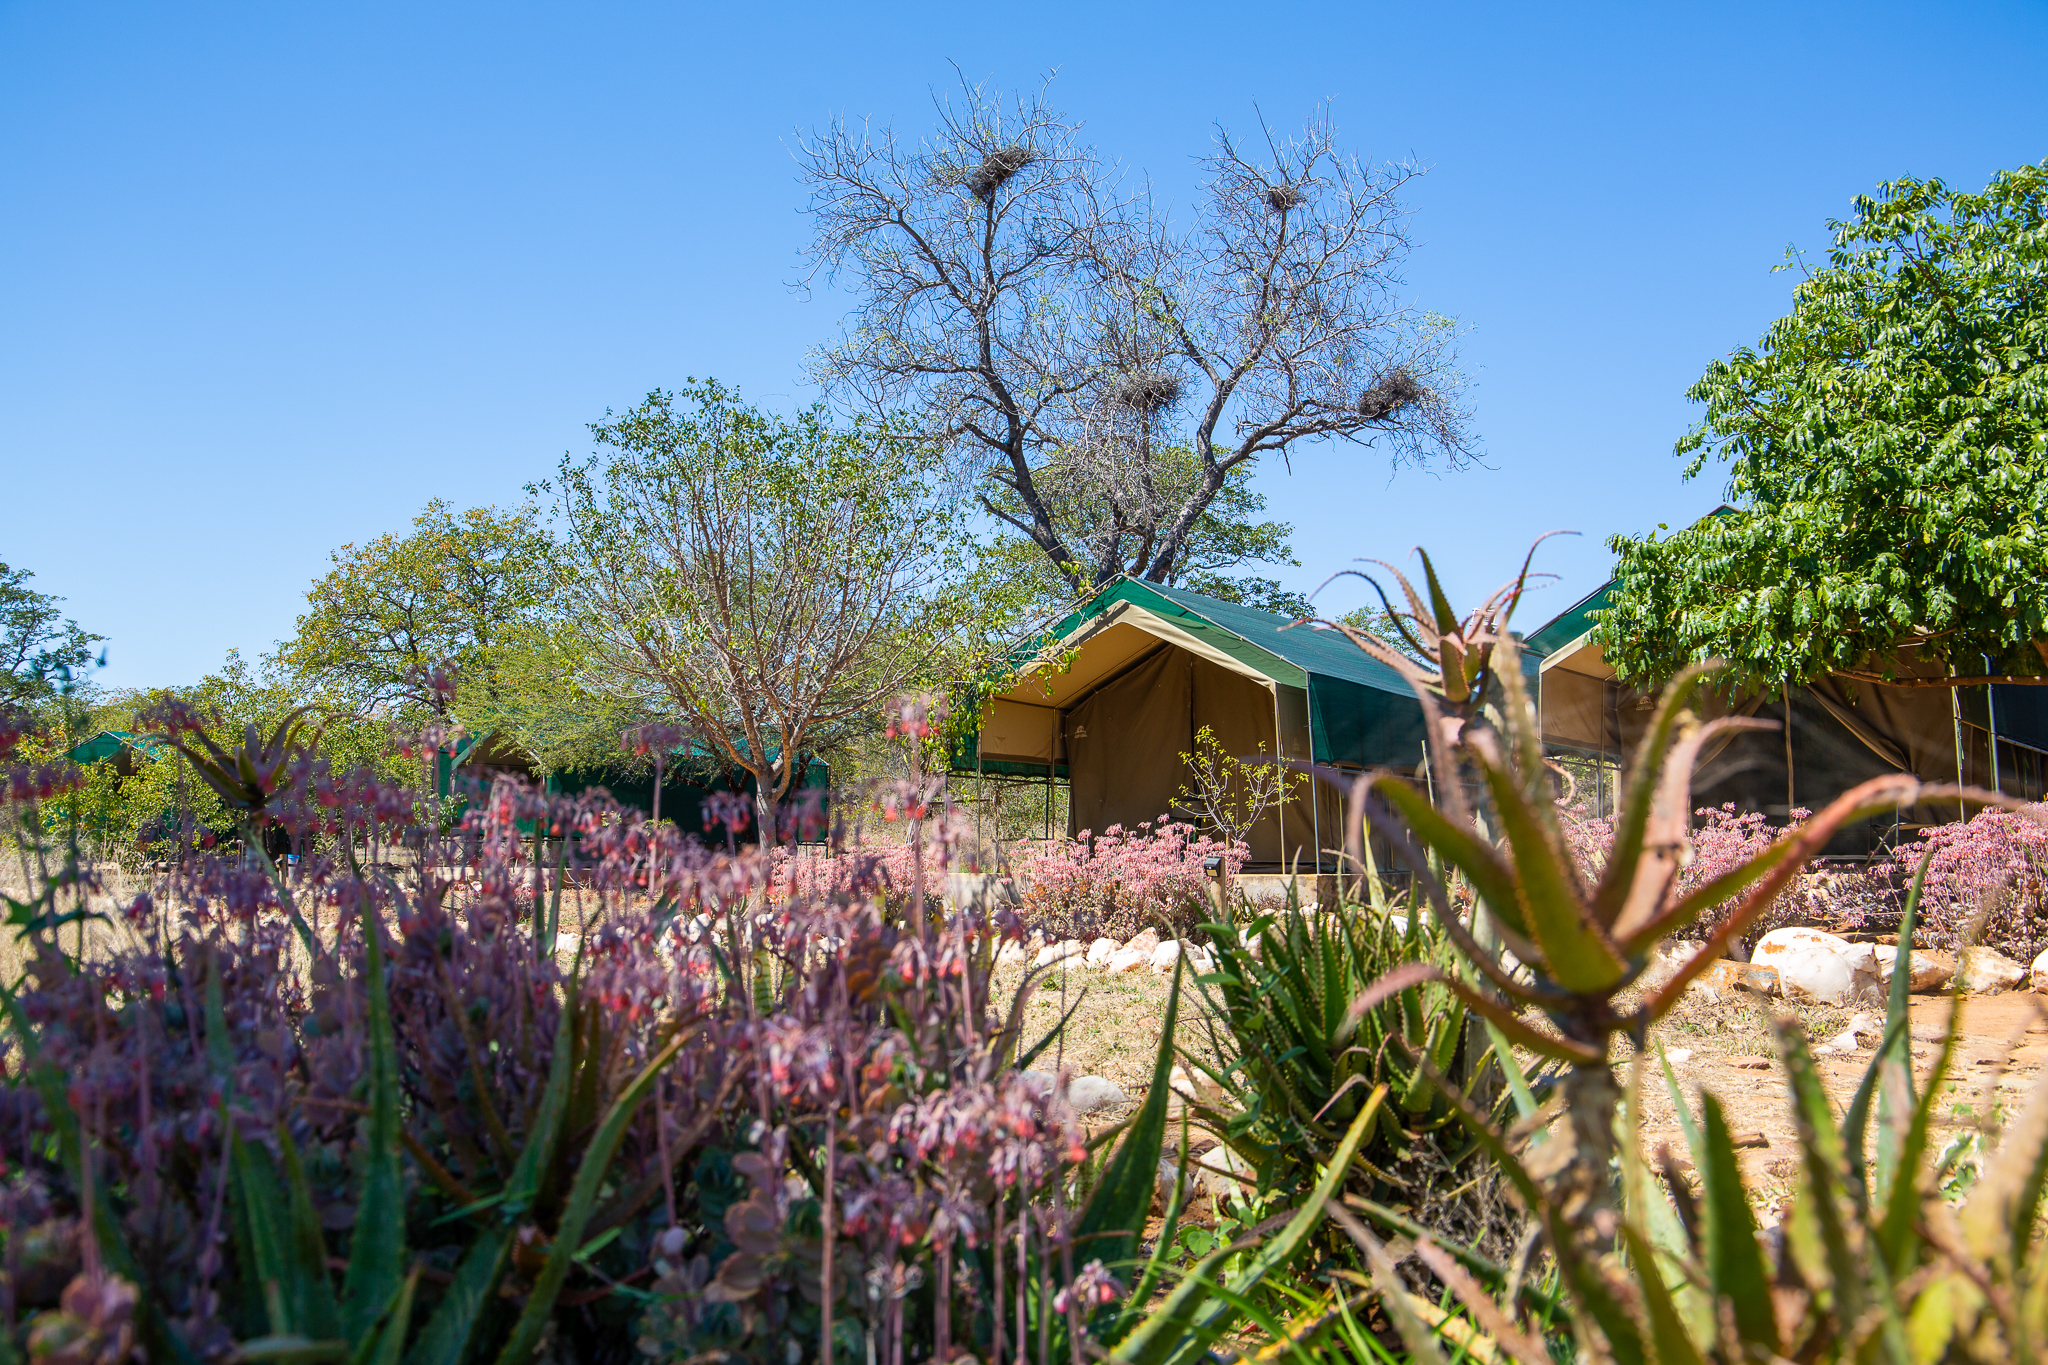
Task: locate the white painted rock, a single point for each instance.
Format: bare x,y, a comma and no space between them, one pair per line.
1817,966
1147,941
1850,1038
2039,976
1090,1093
1930,972
1059,952
1224,1172
1099,952
1678,1056
1986,971
1165,955
1127,959
1037,1084
1012,954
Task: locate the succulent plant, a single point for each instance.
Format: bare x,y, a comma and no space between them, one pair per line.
1565,983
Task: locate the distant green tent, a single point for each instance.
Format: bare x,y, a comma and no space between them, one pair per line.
689,778
1116,700
119,745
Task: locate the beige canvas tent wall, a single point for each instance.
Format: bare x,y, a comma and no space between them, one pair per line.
1116,700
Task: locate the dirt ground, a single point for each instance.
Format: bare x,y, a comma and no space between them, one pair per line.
1724,1047
2000,1051
1115,1029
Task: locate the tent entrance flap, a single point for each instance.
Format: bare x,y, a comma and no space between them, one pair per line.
1123,744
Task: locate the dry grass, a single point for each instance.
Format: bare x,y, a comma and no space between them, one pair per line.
1114,1032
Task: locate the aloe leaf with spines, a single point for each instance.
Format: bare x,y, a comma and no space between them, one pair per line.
377,1244
591,1174
1112,1221
456,1324
1193,1317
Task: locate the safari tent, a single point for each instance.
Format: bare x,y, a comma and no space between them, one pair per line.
690,775
1835,733
1117,698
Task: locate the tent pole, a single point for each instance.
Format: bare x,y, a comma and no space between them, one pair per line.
1282,807
1315,790
1785,693
1991,715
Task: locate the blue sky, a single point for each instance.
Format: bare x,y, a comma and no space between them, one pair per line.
274,276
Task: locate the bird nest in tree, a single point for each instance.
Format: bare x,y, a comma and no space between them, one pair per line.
1281,198
1147,393
997,167
1394,391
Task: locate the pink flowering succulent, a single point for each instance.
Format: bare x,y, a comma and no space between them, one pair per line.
753,1106
1720,841
1119,882
1987,882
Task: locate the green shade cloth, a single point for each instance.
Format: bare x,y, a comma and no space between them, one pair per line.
108,743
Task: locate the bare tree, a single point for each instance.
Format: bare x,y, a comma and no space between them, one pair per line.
1065,340
770,582
967,253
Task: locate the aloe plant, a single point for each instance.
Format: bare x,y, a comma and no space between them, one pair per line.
1573,989
1302,1063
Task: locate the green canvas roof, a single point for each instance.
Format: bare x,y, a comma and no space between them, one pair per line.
1265,640
107,743
1571,623
1360,710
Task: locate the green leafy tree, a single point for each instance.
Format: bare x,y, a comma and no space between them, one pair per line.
540,697
1888,451
768,581
39,647
446,596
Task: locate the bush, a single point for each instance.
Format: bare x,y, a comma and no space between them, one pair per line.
1987,882
1119,882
